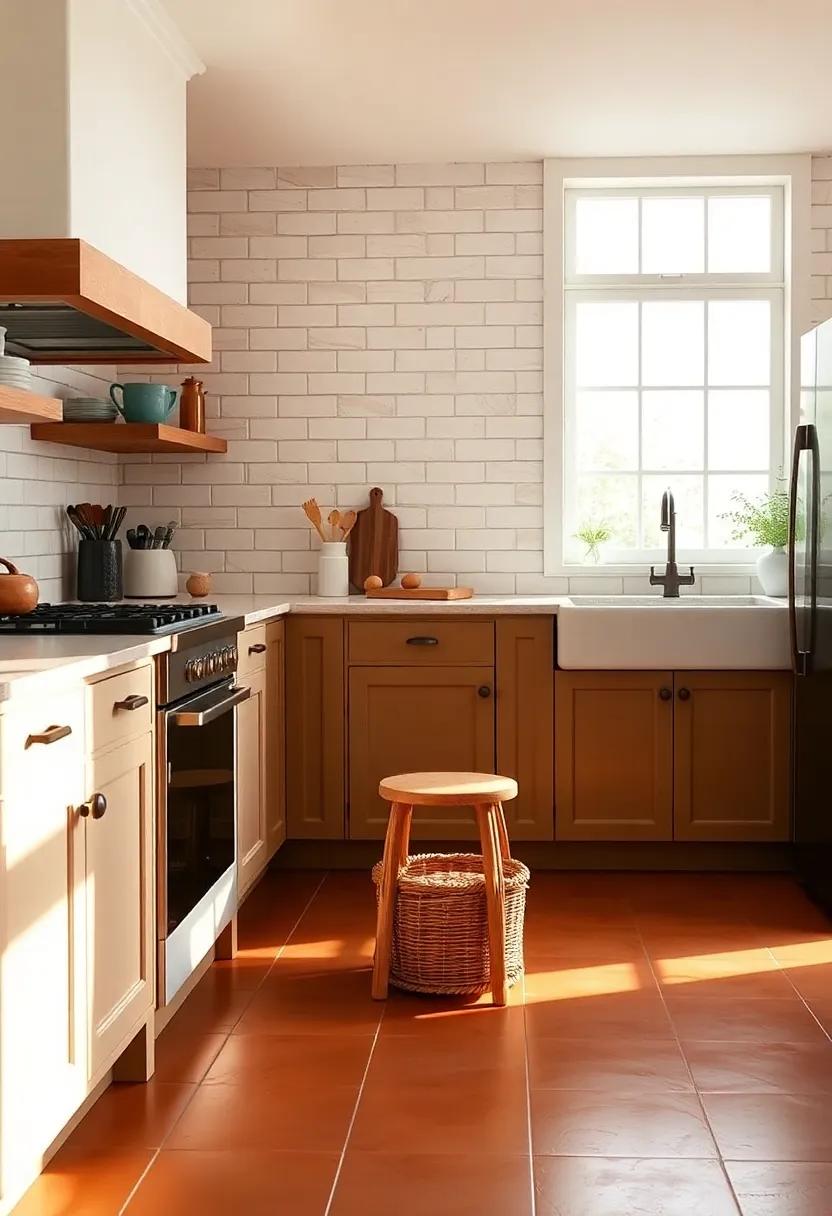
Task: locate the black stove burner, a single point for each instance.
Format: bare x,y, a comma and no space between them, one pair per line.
109,618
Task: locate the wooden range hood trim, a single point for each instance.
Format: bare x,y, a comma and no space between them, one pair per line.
68,271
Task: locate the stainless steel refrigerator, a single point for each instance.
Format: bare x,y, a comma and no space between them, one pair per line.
810,611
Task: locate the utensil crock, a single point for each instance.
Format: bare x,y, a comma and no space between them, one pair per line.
99,571
149,572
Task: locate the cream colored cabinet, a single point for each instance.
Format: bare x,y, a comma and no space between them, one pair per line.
118,828
77,885
251,782
275,737
43,1048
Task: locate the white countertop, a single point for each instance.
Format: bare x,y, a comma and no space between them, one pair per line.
32,664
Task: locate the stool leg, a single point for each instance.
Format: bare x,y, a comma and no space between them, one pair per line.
397,825
495,900
502,832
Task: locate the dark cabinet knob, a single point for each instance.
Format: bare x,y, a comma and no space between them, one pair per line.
484,691
95,806
684,694
665,694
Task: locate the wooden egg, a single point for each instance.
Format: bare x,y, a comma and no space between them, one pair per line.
411,581
372,583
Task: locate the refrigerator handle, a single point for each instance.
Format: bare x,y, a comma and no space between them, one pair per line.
804,441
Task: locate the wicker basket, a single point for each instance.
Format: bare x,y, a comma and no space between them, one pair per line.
440,925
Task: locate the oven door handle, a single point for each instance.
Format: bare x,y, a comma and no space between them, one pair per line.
201,717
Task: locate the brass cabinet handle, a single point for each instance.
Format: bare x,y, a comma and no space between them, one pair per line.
51,735
133,702
665,694
95,806
257,648
423,641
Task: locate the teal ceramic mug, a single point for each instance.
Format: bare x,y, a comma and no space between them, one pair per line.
144,402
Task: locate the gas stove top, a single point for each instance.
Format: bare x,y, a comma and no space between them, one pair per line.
110,618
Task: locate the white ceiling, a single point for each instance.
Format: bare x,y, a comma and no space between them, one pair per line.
371,81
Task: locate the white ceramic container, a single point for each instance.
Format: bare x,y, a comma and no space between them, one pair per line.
333,570
149,572
773,572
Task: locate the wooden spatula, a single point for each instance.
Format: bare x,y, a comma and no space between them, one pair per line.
313,513
334,521
347,523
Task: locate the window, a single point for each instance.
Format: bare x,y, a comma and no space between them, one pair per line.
674,297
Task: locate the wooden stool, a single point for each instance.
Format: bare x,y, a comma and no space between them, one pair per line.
485,792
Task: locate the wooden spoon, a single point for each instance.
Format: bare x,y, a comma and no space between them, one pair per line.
334,521
313,513
347,523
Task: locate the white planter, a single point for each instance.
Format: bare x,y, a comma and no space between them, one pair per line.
333,570
149,572
773,572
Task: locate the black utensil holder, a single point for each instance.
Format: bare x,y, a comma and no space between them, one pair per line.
99,571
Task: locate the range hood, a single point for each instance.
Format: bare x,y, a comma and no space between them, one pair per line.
62,301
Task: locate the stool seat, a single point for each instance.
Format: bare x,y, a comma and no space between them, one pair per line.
447,789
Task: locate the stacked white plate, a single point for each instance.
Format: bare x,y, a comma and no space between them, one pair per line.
14,372
89,409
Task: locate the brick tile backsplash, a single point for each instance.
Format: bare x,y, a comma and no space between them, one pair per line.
376,324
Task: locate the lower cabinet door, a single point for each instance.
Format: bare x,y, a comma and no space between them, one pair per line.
404,719
613,755
43,1048
251,782
120,904
732,749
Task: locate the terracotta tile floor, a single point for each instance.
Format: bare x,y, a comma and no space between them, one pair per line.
668,1054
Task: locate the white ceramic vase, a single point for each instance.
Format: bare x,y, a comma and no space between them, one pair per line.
333,570
149,572
773,572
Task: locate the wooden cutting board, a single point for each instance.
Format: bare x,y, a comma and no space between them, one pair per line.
420,593
374,543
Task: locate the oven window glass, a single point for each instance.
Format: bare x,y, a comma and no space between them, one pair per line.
200,818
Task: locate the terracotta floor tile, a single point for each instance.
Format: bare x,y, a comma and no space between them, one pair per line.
309,1119
329,1002
214,1006
813,981
565,979
821,1008
781,1188
604,1186
483,1111
791,1068
291,1061
570,1123
244,1181
805,950
610,1065
133,1116
744,974
378,1184
81,1182
182,1055
461,1017
752,1021
625,1015
771,1127
447,1058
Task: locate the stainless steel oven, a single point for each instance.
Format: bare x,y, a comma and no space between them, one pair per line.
197,802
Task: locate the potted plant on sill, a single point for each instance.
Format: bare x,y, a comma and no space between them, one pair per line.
765,520
593,534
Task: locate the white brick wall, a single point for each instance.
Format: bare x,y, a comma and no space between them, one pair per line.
377,324
37,480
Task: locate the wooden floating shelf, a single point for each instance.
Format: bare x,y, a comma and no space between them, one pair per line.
127,437
18,405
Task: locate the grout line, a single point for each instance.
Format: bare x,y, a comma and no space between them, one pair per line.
228,1034
784,971
533,1195
688,1070
353,1117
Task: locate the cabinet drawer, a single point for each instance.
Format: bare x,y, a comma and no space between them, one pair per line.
421,642
120,707
252,650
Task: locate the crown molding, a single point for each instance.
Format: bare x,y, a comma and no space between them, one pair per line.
158,21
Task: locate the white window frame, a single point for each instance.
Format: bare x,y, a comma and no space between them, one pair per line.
789,278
